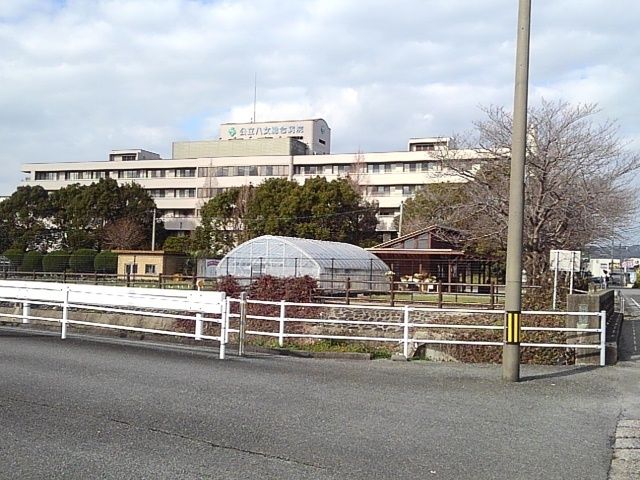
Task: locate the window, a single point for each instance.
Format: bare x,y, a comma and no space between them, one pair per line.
46,176
408,189
209,192
380,190
129,157
157,173
185,192
149,269
185,172
373,168
158,193
428,166
273,170
321,141
306,170
341,169
409,167
131,268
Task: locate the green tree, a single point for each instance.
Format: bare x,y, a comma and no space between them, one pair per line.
83,215
23,218
319,209
222,222
178,244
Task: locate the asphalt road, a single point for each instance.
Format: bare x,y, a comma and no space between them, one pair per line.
88,409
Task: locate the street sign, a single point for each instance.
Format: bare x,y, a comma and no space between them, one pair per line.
565,260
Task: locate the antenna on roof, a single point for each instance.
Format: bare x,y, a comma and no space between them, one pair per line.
255,91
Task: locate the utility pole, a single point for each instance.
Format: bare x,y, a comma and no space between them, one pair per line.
153,232
513,290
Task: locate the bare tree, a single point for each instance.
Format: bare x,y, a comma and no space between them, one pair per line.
124,234
577,180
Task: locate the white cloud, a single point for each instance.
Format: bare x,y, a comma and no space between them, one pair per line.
84,76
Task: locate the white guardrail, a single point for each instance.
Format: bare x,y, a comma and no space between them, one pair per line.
408,325
199,306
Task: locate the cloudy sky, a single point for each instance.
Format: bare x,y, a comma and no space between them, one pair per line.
81,77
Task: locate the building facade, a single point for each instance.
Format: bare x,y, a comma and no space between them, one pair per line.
180,186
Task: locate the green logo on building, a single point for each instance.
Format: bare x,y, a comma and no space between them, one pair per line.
232,132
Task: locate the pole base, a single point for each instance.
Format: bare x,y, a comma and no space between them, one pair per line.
511,362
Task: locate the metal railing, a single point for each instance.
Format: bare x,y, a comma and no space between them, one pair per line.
199,307
402,333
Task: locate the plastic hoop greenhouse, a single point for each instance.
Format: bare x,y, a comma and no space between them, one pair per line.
331,263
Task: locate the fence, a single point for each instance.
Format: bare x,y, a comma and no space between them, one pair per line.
197,306
399,332
400,325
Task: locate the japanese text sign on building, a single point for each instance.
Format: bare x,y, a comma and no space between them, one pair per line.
265,130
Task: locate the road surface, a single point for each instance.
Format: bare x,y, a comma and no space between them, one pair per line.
82,408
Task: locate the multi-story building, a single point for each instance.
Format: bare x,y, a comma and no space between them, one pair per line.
200,170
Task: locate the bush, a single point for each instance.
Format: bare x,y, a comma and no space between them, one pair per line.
106,262
81,261
56,261
177,244
15,256
32,261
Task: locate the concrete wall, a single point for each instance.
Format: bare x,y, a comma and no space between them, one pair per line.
594,302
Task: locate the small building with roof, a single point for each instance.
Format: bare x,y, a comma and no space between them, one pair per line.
435,252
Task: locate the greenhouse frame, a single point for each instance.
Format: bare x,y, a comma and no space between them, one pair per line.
330,263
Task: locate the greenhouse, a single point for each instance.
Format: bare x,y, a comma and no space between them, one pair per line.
331,263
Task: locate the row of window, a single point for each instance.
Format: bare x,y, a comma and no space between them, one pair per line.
245,171
172,192
386,190
343,169
239,171
98,174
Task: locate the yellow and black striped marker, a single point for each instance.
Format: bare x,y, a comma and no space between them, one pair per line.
513,327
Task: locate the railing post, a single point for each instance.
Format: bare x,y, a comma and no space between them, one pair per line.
492,295
603,338
65,313
243,323
26,312
405,336
224,325
159,280
281,326
198,326
392,292
347,289
440,294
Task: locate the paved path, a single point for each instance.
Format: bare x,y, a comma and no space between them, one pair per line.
626,457
87,409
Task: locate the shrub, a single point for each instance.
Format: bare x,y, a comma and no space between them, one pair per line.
56,261
81,261
32,261
106,262
15,256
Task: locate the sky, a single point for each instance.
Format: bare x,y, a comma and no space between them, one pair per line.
79,78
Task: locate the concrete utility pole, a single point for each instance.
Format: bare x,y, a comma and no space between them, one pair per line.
513,291
153,232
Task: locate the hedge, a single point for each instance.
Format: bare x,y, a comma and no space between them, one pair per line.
81,261
55,261
32,261
106,262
